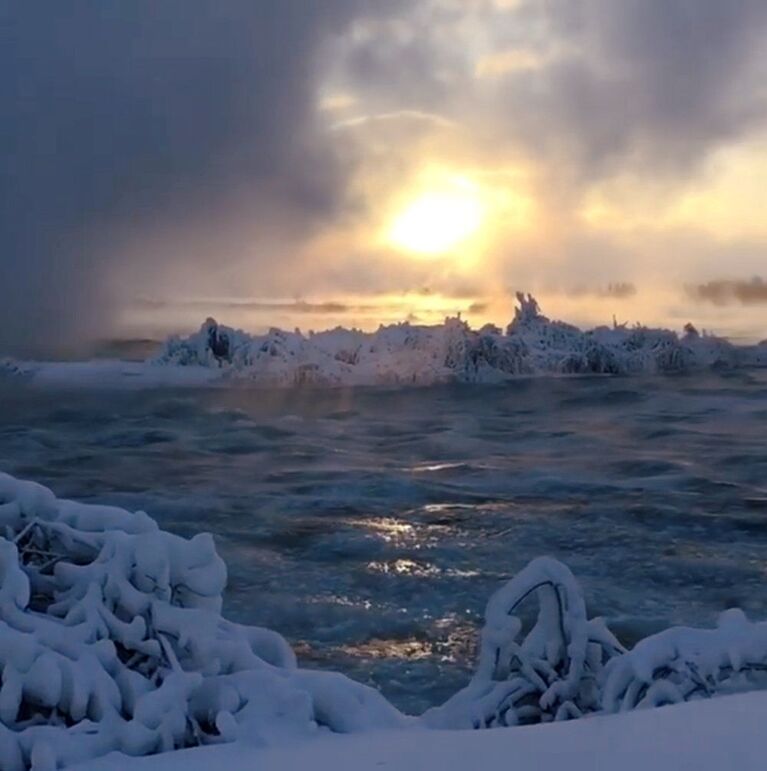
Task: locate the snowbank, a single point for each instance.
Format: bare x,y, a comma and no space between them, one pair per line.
112,640
405,353
721,735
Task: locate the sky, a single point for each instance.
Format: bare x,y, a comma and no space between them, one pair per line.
297,163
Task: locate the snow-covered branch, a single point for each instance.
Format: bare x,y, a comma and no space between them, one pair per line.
681,664
111,638
548,673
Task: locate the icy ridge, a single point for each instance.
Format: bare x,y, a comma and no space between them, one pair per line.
532,344
112,639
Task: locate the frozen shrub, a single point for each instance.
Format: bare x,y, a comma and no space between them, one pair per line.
680,664
566,666
547,673
111,639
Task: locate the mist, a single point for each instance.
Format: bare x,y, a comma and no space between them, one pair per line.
128,126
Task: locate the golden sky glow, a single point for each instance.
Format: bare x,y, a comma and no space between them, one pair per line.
438,220
471,148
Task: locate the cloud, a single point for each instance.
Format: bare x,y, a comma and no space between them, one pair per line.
585,98
587,86
295,306
399,115
656,82
731,291
186,149
619,290
124,118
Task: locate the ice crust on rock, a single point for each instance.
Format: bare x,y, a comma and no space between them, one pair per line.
112,639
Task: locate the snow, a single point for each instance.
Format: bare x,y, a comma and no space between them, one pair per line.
405,354
718,735
680,663
112,641
551,674
413,354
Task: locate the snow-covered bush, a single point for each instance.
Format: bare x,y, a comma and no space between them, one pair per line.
550,672
566,665
681,664
452,351
111,638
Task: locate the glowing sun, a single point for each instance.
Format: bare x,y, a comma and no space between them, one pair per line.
438,220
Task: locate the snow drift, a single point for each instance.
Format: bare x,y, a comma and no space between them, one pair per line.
720,735
112,639
405,353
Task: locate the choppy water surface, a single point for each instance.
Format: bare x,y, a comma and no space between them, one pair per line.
371,526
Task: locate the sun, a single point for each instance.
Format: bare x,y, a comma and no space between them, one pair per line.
438,219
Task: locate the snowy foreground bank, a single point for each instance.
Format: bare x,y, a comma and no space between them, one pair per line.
722,735
408,354
112,641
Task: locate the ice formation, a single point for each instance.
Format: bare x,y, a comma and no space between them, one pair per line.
112,639
406,353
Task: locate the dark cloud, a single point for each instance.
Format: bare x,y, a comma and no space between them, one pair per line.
648,85
296,306
619,290
656,82
731,291
404,62
144,115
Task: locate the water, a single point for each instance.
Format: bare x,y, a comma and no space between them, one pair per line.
370,527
